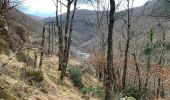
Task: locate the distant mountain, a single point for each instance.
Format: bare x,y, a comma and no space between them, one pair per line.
38,18
148,16
154,14
85,25
22,29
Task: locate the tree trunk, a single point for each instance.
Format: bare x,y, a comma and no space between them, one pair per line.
49,39
126,49
109,68
53,36
138,74
60,39
125,66
35,59
42,49
147,73
67,36
63,69
160,90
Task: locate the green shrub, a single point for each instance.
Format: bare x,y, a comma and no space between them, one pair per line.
55,80
100,92
3,22
22,57
34,76
86,90
76,77
133,91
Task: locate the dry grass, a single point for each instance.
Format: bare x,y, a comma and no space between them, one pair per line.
51,88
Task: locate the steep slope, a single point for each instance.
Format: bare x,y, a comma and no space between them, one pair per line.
21,29
51,88
153,14
13,86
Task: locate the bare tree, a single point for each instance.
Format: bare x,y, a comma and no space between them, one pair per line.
35,59
42,49
6,5
49,39
65,39
109,71
128,37
68,32
149,56
160,90
60,36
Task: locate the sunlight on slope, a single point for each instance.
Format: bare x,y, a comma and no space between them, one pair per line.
51,88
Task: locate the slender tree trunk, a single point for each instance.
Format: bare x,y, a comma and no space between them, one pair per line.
151,33
147,73
126,49
160,90
138,74
109,70
63,69
28,51
60,38
125,66
53,36
35,59
67,36
49,39
42,49
71,29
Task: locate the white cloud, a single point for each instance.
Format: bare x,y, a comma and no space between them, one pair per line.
46,8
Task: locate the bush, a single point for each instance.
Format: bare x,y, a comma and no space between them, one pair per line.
76,77
21,32
134,92
3,22
100,92
33,76
22,57
86,90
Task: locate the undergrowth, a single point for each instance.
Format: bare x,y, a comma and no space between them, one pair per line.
22,57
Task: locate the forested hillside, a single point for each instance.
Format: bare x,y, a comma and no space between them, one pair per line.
116,51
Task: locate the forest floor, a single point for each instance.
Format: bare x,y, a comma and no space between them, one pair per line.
50,89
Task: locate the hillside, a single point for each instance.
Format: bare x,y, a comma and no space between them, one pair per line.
143,18
14,87
84,28
30,56
18,31
21,29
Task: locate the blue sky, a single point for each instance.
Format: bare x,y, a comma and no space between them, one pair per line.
46,8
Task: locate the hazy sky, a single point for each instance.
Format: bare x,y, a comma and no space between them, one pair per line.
46,8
